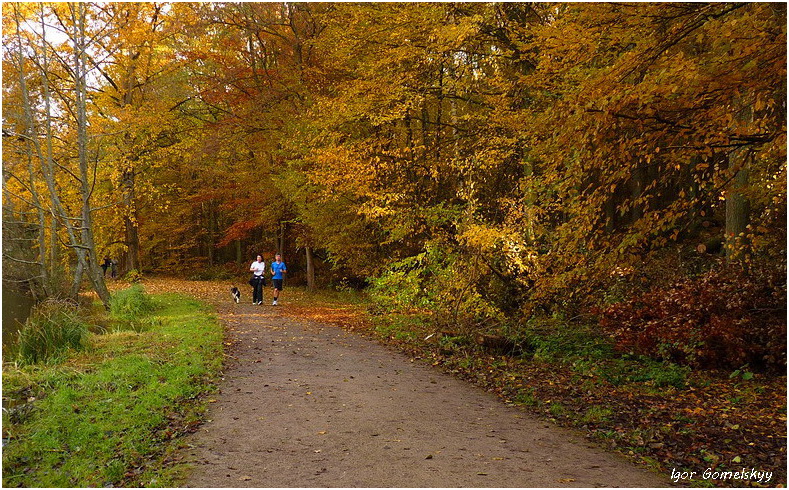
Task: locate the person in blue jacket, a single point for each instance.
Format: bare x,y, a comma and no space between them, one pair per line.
278,268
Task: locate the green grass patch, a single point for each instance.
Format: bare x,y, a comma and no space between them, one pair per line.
619,371
557,409
109,416
131,303
527,397
552,340
596,414
53,328
591,354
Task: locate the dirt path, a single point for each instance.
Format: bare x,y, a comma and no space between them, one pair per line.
309,405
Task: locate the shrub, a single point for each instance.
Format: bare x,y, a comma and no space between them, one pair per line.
128,304
401,285
724,319
53,327
133,276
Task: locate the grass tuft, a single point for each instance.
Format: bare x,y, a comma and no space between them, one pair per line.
52,329
131,303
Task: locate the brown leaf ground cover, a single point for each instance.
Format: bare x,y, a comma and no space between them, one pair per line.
715,421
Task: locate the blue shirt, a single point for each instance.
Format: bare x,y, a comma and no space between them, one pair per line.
278,268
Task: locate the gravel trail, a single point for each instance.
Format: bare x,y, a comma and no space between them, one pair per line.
303,404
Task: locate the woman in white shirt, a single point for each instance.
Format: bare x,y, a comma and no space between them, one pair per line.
258,269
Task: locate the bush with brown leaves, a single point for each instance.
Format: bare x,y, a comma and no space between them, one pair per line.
724,319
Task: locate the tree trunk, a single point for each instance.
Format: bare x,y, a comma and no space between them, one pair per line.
737,205
453,113
46,280
211,232
310,269
129,176
636,189
54,250
425,137
92,266
609,210
281,241
409,134
529,199
132,260
737,215
132,237
30,137
76,282
439,104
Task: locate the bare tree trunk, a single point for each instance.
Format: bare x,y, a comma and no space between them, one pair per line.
76,282
30,136
425,142
47,163
41,228
54,250
92,264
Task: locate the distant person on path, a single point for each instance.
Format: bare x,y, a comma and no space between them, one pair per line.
113,269
258,279
277,269
105,265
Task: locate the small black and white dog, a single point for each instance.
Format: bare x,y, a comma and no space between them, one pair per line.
236,294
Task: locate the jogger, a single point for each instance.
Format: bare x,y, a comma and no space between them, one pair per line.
258,269
277,269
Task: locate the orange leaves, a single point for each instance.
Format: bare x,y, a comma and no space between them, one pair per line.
238,231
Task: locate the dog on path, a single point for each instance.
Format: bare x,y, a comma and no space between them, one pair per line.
236,294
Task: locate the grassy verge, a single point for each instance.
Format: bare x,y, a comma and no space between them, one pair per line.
110,414
661,414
